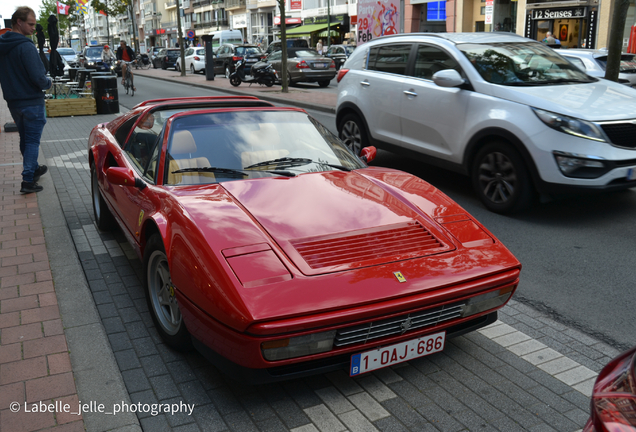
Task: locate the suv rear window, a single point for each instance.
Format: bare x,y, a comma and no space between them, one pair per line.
389,58
241,51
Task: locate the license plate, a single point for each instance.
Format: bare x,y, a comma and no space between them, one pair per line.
631,174
398,353
320,65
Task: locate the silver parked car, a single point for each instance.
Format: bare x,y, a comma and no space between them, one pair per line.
509,112
594,63
304,65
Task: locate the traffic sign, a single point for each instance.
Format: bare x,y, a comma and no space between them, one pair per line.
190,34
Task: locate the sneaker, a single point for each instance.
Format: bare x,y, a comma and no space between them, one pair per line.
28,188
39,172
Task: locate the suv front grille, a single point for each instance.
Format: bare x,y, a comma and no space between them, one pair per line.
621,134
398,325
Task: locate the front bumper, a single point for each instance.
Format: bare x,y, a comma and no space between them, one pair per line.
329,364
549,179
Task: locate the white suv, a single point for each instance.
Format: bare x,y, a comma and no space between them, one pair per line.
506,110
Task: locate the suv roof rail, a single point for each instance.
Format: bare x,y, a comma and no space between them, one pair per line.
449,38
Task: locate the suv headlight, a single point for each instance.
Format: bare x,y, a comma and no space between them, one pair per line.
570,125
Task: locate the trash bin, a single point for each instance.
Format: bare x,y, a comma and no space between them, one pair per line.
209,57
105,93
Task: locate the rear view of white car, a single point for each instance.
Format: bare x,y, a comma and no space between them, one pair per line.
505,110
594,63
194,60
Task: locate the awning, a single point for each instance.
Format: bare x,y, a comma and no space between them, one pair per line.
306,29
324,33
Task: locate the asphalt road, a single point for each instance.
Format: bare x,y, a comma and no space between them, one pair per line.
578,254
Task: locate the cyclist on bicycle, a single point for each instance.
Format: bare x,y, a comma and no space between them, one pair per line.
107,55
126,55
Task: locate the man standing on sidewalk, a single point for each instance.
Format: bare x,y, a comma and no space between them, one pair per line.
23,80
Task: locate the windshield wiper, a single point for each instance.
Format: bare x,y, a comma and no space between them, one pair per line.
295,162
212,169
281,161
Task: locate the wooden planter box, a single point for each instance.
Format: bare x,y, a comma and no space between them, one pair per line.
70,107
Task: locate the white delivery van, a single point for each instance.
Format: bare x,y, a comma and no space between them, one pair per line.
226,36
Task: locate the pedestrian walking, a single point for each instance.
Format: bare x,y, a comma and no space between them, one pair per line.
319,46
23,78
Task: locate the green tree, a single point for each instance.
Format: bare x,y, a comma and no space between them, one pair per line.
48,8
113,8
615,40
283,41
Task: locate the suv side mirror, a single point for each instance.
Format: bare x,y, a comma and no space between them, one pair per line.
448,78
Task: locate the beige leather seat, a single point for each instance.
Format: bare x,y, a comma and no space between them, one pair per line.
264,142
182,150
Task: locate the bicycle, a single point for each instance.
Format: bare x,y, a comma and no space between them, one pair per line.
128,79
143,61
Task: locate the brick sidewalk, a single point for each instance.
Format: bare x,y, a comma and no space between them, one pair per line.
34,360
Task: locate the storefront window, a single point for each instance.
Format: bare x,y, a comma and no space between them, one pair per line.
436,11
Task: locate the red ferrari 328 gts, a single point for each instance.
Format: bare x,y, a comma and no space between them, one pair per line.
277,252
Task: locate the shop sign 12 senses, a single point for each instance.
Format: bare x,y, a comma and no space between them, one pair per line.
558,13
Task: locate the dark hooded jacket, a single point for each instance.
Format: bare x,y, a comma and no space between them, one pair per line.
22,73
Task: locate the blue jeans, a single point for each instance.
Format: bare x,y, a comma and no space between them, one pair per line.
30,121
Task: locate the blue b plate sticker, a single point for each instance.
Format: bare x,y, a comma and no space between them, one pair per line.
631,174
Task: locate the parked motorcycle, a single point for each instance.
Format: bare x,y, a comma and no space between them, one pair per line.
261,73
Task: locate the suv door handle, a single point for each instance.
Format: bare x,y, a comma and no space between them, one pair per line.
365,83
410,93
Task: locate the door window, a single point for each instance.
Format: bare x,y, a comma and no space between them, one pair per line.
142,141
389,58
432,59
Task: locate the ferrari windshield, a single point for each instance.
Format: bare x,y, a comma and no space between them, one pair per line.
519,64
255,143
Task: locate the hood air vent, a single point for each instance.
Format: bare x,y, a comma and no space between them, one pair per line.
387,243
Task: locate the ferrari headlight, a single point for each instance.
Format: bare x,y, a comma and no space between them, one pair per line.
299,346
484,302
570,125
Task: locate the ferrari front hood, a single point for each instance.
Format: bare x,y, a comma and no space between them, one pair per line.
334,221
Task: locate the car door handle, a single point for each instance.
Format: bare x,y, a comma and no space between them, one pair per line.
410,93
365,83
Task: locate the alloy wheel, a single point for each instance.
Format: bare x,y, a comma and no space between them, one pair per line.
162,295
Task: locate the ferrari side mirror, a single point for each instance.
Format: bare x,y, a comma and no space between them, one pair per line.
367,154
124,177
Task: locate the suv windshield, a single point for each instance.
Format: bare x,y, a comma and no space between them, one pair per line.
94,52
521,64
66,51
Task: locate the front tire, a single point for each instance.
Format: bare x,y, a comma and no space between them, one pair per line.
192,69
501,179
161,297
353,133
177,67
323,83
103,217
